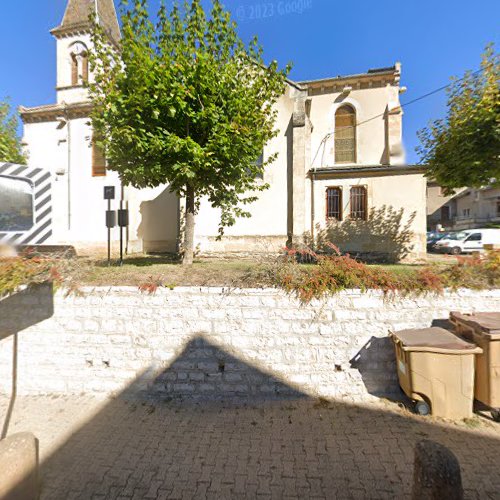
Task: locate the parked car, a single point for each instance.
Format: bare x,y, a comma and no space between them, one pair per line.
471,240
433,237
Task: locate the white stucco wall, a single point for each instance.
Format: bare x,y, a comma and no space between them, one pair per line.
370,105
153,211
387,195
78,219
47,149
154,219
269,212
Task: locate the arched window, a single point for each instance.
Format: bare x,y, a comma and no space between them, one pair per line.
345,135
79,64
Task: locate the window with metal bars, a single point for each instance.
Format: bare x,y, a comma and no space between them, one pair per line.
345,135
334,203
98,161
359,203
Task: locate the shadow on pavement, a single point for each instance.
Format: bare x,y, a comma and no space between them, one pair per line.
269,444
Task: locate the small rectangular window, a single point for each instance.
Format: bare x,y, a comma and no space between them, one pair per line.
358,203
98,161
334,203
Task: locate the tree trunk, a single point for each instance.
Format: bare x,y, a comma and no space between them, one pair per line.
189,228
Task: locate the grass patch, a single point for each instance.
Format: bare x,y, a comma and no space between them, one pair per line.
329,275
137,271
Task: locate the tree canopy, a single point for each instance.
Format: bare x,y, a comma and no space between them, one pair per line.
185,102
463,149
10,144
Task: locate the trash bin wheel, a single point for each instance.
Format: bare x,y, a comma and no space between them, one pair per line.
422,408
495,415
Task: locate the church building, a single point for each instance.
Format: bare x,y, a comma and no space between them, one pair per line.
340,174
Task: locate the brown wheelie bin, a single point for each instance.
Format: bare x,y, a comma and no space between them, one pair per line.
483,328
436,369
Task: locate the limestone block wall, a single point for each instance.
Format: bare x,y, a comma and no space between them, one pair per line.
211,342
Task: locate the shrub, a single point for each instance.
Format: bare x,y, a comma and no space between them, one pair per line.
474,272
335,272
18,271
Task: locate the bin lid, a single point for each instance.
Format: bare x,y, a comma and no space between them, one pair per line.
434,339
487,323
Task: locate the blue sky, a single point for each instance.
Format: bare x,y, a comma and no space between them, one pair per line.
433,39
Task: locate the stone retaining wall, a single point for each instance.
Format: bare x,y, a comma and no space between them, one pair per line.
211,342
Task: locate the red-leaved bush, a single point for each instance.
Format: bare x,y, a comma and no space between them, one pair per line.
331,273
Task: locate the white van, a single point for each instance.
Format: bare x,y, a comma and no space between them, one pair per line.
471,240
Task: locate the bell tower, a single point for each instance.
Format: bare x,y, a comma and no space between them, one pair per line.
74,43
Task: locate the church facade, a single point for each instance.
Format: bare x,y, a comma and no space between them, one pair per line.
340,175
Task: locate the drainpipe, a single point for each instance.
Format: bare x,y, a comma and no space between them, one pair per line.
126,206
68,124
313,173
312,170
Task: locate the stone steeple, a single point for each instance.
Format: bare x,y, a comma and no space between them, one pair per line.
76,18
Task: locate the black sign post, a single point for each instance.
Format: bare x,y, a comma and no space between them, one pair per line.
109,194
122,223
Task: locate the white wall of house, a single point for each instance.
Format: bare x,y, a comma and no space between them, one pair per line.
78,204
46,150
269,212
80,219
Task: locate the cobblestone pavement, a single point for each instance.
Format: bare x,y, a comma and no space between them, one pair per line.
117,449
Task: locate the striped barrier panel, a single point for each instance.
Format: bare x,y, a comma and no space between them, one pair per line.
25,205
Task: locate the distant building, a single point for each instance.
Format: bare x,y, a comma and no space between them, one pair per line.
341,167
477,208
441,207
467,208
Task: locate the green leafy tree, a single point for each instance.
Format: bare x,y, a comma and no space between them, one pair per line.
463,149
10,144
185,102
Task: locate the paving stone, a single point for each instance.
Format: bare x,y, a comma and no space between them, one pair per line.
94,448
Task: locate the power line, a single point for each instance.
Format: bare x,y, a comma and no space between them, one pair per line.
406,104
